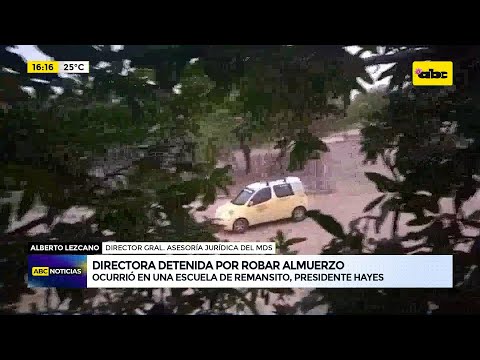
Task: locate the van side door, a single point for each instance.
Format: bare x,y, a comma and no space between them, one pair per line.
284,205
260,207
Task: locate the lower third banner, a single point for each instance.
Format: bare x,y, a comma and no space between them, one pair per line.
241,271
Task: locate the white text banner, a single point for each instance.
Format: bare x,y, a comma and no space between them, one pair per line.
275,271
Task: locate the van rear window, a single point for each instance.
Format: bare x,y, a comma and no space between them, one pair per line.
283,190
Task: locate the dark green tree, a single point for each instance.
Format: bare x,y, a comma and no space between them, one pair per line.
367,107
49,144
279,89
428,137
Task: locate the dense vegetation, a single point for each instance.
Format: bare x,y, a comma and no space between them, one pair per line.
49,143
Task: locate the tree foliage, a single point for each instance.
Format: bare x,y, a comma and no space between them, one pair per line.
368,107
428,138
49,143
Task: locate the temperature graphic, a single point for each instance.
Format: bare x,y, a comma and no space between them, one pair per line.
58,67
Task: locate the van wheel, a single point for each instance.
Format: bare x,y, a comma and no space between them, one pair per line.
298,214
240,226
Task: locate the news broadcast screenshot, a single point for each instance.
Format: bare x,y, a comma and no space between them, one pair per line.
239,179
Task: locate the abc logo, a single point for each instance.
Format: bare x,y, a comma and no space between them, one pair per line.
40,271
431,74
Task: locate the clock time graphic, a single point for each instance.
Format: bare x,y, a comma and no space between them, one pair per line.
58,67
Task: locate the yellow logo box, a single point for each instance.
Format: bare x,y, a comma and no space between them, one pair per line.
40,271
432,73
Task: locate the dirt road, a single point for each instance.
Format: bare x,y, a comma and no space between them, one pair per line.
342,206
352,192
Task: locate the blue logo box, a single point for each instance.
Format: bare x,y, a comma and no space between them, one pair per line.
59,271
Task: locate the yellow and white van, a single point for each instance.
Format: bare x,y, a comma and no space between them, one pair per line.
263,202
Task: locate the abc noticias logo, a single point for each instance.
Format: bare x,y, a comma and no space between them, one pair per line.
432,73
48,271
